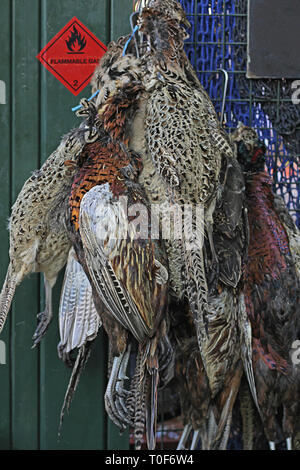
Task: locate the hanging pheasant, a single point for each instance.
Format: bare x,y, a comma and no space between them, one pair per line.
78,320
128,273
184,139
193,156
38,239
156,190
229,344
272,293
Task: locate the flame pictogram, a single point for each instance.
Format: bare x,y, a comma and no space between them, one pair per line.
76,42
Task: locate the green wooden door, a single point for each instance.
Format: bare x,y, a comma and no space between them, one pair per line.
36,114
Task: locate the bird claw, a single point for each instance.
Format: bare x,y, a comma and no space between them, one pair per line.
116,409
44,321
116,393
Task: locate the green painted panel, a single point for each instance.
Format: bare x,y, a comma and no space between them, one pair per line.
5,389
25,151
37,113
85,427
120,13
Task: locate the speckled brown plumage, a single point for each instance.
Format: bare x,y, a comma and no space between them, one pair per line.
38,239
186,143
194,158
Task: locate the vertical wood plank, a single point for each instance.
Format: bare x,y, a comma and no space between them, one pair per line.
85,427
5,66
120,26
25,144
120,13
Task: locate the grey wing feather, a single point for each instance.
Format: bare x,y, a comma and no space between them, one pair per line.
79,321
101,224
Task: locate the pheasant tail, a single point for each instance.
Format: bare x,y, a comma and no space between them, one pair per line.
6,296
80,363
151,409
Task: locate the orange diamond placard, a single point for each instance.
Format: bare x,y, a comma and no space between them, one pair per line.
72,55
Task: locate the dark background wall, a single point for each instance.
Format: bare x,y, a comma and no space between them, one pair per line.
37,113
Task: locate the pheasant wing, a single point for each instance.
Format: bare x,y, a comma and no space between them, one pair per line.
103,227
79,321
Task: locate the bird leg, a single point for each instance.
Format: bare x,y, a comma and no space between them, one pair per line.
195,439
121,392
44,317
114,403
184,437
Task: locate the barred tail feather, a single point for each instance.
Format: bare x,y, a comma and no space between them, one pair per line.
6,296
224,403
140,401
80,363
196,287
151,410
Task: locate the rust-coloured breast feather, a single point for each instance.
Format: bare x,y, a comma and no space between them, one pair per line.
99,168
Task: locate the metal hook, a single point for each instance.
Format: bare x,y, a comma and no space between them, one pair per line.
128,41
133,29
226,78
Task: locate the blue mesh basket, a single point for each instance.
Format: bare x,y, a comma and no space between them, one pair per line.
218,39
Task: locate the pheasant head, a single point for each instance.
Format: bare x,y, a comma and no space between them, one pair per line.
250,151
112,67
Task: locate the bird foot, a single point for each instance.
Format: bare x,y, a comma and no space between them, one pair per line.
44,320
116,407
116,394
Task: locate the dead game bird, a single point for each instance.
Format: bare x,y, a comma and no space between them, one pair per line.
272,293
38,238
128,273
185,141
